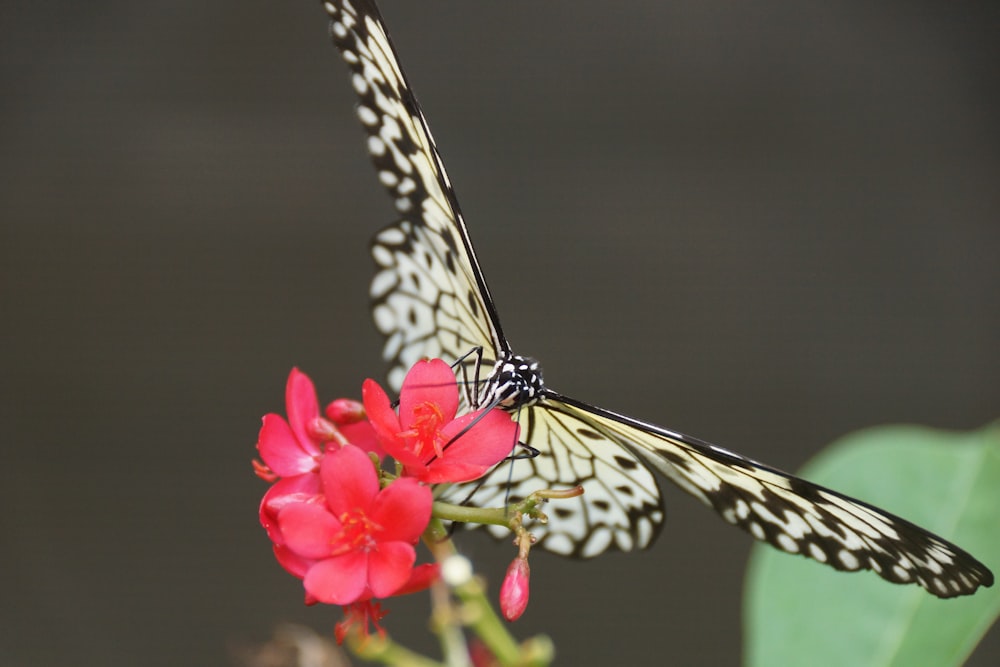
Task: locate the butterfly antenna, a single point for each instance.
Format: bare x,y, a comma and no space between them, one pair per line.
477,352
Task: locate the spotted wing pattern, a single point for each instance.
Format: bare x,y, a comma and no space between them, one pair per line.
620,509
430,299
428,296
785,511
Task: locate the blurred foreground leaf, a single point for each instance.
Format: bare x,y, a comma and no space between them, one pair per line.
797,611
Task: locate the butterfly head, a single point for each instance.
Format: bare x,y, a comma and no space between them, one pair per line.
515,382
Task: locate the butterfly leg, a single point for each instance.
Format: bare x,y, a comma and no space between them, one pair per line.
473,394
529,453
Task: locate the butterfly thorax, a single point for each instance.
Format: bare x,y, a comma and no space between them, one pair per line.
514,383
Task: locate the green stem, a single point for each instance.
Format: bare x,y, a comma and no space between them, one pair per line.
386,651
486,624
498,516
445,624
477,613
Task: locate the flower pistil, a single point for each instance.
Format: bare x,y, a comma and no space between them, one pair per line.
357,533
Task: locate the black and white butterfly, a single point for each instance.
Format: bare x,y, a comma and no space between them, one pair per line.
430,300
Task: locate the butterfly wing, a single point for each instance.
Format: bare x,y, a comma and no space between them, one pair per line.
785,511
429,297
620,509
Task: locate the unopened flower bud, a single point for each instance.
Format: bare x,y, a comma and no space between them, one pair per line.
321,429
345,411
514,590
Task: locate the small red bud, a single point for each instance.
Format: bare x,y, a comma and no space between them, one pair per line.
514,590
321,429
345,411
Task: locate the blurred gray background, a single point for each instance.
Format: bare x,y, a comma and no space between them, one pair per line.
766,224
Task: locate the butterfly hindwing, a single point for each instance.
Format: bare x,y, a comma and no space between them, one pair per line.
791,513
620,509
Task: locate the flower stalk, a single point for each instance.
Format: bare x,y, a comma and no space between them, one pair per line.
386,651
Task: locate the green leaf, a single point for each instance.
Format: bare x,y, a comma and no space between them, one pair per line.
798,611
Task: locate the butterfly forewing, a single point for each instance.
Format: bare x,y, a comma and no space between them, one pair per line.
418,303
428,296
429,299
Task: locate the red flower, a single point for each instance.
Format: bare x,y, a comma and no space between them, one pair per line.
295,447
358,543
426,438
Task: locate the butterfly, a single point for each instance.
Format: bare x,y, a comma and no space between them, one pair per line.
430,299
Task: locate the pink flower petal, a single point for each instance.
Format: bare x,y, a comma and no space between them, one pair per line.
389,566
282,451
401,450
349,480
487,443
298,489
308,529
294,564
428,381
301,404
380,413
443,471
403,509
362,434
421,577
339,580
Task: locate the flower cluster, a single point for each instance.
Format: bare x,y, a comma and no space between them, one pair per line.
340,521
